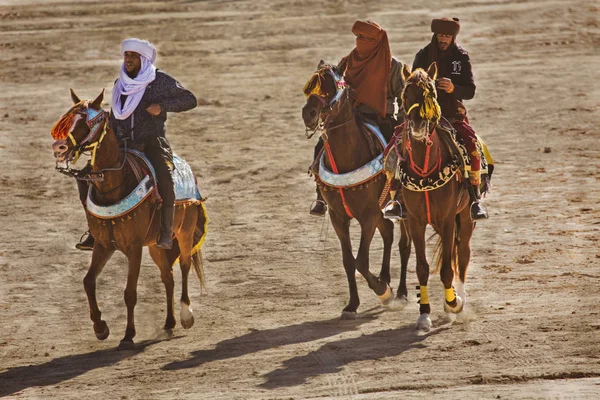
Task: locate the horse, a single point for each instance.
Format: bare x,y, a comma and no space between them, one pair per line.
434,192
329,106
117,176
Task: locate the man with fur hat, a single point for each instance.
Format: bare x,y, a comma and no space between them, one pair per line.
376,80
141,98
454,84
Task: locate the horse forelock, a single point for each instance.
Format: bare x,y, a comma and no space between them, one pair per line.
62,127
430,109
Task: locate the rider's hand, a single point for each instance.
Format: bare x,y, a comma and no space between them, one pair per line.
445,84
154,109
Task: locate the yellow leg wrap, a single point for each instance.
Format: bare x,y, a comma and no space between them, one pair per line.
424,299
450,296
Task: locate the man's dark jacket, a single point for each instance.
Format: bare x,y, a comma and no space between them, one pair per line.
453,64
165,91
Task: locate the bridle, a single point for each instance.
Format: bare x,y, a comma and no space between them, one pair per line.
326,106
97,123
94,119
429,109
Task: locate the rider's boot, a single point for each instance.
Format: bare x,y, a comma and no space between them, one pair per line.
165,240
477,211
319,207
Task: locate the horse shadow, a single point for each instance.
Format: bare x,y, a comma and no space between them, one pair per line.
331,357
259,340
64,368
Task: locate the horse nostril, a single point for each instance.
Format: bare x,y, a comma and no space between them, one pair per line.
62,147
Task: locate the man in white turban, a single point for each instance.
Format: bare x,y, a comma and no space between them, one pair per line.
141,99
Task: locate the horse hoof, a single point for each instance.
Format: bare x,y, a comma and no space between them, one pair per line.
103,331
126,345
424,323
187,324
399,302
346,315
454,310
387,297
186,317
168,333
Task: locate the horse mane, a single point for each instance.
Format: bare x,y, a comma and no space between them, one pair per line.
60,130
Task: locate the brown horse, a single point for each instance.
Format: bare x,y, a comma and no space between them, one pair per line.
347,148
434,192
113,178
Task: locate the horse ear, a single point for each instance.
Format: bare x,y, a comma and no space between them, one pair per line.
405,73
74,97
432,71
97,103
321,64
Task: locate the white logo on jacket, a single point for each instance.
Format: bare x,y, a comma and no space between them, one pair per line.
456,67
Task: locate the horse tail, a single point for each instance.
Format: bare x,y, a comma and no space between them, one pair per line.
437,251
199,236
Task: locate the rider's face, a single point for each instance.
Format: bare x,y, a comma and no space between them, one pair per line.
444,41
132,62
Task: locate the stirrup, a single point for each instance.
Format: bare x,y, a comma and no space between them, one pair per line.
87,243
388,211
479,216
318,208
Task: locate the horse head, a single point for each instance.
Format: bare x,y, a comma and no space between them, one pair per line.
323,91
419,99
80,129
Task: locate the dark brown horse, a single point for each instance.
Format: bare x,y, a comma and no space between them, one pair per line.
347,148
434,192
85,128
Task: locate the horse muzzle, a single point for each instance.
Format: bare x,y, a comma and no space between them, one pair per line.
61,151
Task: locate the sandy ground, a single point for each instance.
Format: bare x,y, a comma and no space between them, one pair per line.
268,327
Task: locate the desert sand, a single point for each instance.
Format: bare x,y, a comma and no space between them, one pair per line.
268,326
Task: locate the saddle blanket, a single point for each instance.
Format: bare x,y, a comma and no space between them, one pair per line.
359,175
184,182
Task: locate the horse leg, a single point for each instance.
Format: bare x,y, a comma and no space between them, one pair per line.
342,229
381,288
453,303
159,256
465,231
186,315
386,229
404,246
134,257
100,256
417,232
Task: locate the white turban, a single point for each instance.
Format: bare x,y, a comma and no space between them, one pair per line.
139,46
133,88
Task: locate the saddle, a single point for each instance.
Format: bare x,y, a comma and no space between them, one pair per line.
184,182
461,161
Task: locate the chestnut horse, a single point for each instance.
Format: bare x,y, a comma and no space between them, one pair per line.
348,147
434,192
85,128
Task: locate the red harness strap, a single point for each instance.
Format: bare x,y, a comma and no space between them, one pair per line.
335,170
423,172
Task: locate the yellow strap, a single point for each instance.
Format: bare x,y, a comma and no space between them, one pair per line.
424,299
450,296
411,108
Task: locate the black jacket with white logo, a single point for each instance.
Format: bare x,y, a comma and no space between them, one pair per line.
453,64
